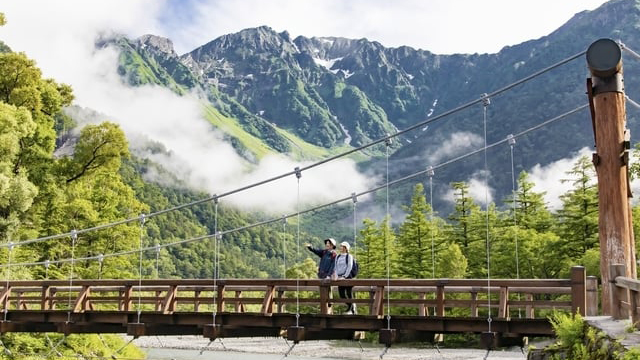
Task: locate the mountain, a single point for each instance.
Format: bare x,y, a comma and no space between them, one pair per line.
337,93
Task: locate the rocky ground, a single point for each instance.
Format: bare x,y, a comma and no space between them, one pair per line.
323,349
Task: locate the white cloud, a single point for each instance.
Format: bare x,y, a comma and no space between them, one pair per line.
479,191
457,144
440,26
64,48
548,178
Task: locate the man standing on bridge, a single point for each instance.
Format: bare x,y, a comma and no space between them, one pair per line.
327,266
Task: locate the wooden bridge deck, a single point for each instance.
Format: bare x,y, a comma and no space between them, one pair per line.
267,307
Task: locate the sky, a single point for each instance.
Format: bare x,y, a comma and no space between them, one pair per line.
60,37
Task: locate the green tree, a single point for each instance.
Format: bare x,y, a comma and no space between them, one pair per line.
99,147
378,251
370,254
416,239
461,231
531,210
16,191
451,262
578,218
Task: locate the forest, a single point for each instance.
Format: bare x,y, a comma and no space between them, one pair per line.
45,192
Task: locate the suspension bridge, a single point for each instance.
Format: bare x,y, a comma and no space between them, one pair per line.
502,310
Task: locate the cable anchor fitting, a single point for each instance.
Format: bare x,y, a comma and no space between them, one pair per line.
11,245
218,235
74,235
284,219
354,197
387,140
511,139
430,171
486,101
100,258
143,219
215,199
298,172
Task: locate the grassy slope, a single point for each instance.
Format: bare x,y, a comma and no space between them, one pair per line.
302,150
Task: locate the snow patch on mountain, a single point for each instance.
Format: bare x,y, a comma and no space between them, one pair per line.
327,64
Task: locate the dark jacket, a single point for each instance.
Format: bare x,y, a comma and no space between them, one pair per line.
327,262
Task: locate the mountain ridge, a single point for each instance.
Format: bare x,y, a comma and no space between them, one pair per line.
333,91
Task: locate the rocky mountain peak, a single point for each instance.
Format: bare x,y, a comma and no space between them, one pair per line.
158,43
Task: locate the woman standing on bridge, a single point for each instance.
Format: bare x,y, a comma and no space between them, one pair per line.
344,264
327,266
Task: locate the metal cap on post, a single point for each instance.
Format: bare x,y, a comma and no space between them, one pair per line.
604,58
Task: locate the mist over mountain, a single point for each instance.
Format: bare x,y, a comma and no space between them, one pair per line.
338,93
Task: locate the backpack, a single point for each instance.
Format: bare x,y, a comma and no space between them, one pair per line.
354,268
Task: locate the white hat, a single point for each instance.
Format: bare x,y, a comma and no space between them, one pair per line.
333,242
345,244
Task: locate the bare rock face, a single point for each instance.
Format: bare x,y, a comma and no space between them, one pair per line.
157,43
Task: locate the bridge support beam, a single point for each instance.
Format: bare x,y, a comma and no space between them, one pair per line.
212,331
388,336
295,333
136,329
490,340
607,102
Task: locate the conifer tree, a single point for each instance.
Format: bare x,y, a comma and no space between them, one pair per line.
579,214
415,239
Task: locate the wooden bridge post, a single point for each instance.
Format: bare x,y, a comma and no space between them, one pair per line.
592,296
618,295
529,311
474,303
45,303
440,299
578,290
605,89
503,310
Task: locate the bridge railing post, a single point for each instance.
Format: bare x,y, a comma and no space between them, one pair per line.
592,296
618,295
578,290
503,311
634,301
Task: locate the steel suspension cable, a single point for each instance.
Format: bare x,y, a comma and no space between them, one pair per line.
485,104
354,199
512,143
298,173
387,240
430,173
318,163
284,247
74,238
8,276
143,219
316,208
216,236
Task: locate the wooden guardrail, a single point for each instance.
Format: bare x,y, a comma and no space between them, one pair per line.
625,295
268,296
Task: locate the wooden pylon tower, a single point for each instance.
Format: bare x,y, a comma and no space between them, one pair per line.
605,89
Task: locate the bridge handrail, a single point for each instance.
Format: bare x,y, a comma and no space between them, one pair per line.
625,295
166,294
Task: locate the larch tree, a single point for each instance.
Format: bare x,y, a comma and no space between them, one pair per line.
578,216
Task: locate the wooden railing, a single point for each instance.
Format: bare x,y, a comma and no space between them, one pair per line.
268,296
625,295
